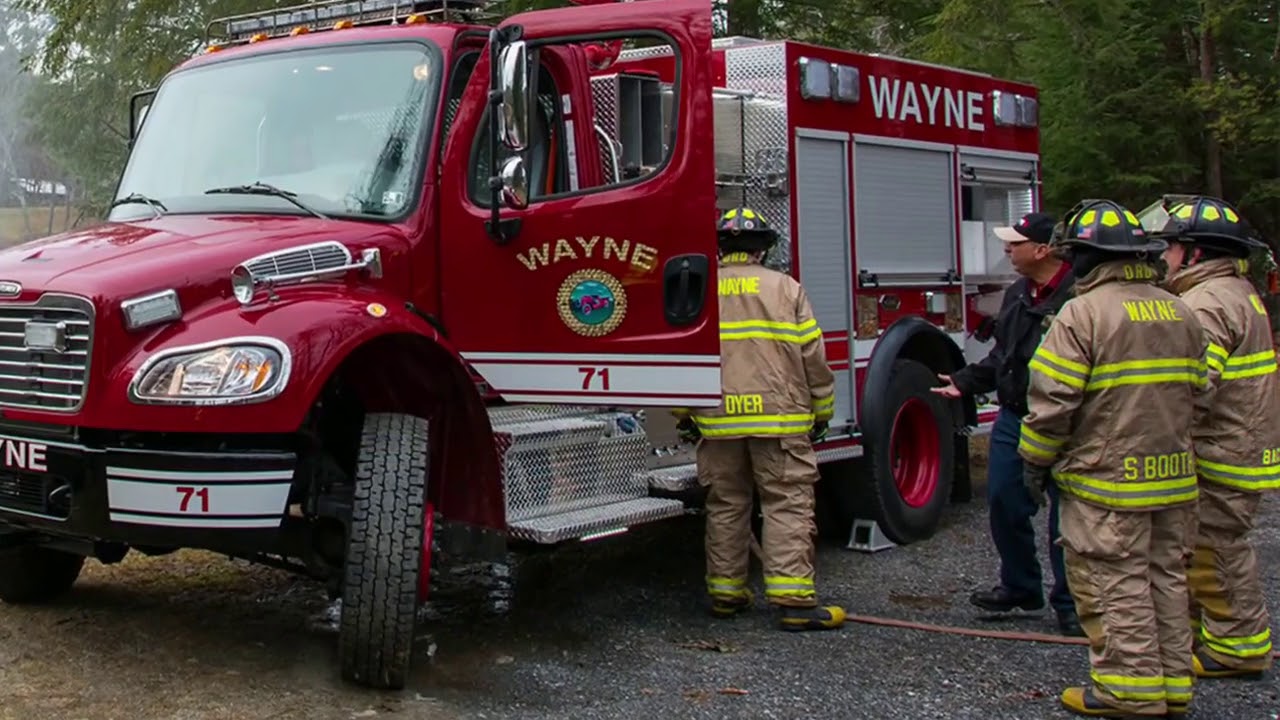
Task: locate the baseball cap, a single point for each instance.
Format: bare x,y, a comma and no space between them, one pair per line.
1036,227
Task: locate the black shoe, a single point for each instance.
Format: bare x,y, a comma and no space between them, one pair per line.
1000,599
1069,624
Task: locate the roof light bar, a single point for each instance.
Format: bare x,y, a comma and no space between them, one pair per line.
328,14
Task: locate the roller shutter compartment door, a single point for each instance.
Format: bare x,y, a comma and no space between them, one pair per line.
905,213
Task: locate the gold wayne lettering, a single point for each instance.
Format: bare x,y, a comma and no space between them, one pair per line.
740,286
641,256
744,404
1151,311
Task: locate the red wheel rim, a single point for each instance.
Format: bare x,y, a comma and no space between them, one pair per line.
914,451
424,567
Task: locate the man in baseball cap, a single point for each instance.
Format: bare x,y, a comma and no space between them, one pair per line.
1025,313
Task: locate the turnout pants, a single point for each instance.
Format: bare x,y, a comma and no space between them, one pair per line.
1228,609
783,471
1127,573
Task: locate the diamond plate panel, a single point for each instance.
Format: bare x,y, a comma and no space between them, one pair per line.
581,523
563,464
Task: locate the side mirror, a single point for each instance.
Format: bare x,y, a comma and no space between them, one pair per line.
515,183
513,85
139,104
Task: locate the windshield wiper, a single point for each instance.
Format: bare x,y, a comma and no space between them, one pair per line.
156,206
261,188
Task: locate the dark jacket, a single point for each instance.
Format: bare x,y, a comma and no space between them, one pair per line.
1018,329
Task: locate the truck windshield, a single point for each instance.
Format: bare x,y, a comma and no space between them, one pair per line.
341,130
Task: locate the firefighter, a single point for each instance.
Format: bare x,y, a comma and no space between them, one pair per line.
778,396
1236,439
1028,307
1109,397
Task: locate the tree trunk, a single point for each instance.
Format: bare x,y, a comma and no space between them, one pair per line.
744,18
1208,67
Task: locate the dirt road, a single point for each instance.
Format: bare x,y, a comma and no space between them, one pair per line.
609,630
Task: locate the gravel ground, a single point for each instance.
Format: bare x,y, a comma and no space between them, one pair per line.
609,630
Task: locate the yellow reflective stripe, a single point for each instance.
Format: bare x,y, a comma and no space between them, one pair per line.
1241,647
1059,368
1147,372
783,586
1252,365
754,424
726,587
824,408
1037,444
1216,356
1266,477
1178,689
1130,493
1124,687
800,333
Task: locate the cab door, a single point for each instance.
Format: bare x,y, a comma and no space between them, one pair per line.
605,294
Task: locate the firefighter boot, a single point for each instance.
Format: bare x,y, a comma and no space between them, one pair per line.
1082,701
1207,667
828,617
729,607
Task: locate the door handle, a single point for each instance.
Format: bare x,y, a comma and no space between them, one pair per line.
684,287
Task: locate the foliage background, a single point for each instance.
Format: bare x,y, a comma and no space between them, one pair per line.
1138,97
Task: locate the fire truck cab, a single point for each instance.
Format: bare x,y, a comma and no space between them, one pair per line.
385,277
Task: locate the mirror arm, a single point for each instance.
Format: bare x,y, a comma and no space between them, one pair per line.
501,231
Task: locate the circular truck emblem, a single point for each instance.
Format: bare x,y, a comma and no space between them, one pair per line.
8,288
592,302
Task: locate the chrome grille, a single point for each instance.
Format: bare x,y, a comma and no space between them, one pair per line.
45,379
318,258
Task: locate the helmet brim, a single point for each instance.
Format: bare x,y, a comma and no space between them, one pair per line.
1154,245
1211,238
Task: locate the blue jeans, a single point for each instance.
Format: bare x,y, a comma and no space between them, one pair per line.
1010,509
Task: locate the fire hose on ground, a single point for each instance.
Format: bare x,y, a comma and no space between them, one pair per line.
1022,636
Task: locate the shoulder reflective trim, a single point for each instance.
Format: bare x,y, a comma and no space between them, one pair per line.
1252,365
754,425
1126,687
1216,356
770,330
791,587
1148,372
1127,493
1247,647
1265,477
1037,444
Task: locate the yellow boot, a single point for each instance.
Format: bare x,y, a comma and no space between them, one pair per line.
1082,701
1207,667
796,619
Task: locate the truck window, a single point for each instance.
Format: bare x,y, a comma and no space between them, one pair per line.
545,157
621,130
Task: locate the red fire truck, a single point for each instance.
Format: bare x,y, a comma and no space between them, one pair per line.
384,277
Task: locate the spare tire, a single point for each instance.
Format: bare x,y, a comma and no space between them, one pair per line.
909,466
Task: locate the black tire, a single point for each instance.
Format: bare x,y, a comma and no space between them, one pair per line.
384,552
35,574
867,488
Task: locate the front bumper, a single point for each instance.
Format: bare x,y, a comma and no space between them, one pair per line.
136,496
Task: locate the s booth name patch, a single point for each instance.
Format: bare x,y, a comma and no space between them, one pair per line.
592,302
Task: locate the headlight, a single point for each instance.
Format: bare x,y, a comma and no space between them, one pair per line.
238,370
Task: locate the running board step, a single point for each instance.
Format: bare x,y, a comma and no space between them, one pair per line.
551,529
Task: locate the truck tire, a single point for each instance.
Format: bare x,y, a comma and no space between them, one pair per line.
35,574
910,466
384,552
